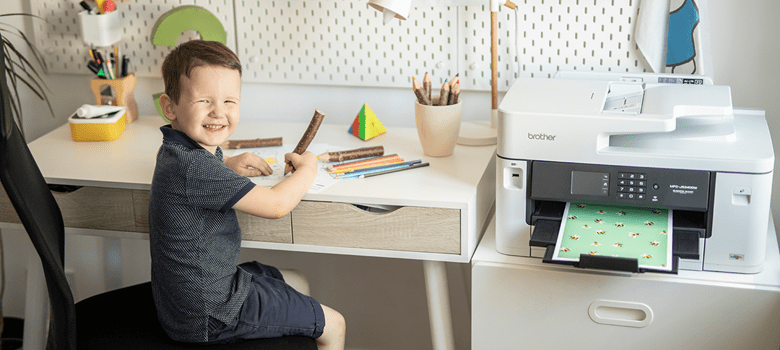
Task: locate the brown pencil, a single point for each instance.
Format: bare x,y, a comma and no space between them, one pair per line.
454,81
427,86
352,154
418,90
444,96
455,94
236,144
311,131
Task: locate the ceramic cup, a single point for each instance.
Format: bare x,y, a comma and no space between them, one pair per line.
438,127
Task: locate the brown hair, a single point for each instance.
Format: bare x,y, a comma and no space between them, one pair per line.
191,54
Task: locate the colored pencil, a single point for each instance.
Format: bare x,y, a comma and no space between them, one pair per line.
377,169
367,166
394,170
419,91
365,161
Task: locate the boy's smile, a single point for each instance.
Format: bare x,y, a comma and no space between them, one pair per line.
208,107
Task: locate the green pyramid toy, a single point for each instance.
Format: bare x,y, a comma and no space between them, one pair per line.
366,125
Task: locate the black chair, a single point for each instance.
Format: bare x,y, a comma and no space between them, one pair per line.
125,318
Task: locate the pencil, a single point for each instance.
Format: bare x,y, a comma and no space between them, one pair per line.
378,169
368,165
455,94
418,90
236,144
394,170
363,162
311,131
427,86
351,154
455,80
444,96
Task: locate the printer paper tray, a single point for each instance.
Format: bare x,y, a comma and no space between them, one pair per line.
685,244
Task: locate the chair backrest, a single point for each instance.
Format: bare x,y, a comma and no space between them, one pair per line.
41,217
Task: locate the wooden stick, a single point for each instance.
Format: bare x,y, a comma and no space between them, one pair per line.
444,96
352,154
311,131
236,144
427,86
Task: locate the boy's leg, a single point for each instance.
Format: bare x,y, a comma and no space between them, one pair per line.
296,279
334,333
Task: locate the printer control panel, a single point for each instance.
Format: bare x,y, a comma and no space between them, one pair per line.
668,188
632,186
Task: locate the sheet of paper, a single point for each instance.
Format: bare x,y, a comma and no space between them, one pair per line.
619,231
275,157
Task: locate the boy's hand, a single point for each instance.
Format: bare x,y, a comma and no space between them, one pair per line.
307,161
248,164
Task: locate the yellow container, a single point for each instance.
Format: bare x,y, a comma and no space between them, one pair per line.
98,129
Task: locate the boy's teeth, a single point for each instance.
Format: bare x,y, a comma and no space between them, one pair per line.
214,127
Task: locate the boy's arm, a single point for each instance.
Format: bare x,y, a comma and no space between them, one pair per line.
279,200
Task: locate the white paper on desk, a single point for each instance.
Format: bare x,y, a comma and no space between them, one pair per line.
321,182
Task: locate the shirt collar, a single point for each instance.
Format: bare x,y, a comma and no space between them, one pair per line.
171,134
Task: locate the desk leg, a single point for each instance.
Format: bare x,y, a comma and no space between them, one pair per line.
113,262
439,305
36,307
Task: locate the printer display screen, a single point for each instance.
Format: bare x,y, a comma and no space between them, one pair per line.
589,183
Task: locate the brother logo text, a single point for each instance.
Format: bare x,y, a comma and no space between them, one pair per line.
541,137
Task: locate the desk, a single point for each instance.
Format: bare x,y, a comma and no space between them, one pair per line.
522,303
457,192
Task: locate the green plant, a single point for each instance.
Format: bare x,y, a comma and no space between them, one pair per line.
21,70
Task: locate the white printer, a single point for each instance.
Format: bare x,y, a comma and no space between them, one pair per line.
645,140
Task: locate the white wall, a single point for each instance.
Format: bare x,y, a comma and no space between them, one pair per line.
383,300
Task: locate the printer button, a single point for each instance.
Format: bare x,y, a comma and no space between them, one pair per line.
631,189
622,175
640,196
641,176
641,183
631,195
631,176
622,182
640,190
621,188
622,195
631,183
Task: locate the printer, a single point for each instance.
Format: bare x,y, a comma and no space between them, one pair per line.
637,140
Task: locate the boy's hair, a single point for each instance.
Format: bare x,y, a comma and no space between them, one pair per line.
191,54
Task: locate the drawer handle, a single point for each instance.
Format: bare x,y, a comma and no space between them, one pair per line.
376,209
620,313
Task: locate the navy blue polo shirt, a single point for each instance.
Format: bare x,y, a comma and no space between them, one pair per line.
195,238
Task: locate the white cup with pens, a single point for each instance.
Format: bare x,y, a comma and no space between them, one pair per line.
438,120
99,28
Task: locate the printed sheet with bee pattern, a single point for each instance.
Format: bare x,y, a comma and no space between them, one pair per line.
609,230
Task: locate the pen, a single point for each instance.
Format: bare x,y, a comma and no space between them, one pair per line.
87,7
125,61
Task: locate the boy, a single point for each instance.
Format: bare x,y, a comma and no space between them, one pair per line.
200,293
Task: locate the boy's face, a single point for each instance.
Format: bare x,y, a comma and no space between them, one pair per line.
208,105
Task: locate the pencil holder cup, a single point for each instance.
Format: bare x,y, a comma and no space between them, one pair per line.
116,92
101,29
438,127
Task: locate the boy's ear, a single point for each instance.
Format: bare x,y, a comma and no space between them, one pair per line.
167,106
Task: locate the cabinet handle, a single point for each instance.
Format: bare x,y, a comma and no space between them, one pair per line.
620,313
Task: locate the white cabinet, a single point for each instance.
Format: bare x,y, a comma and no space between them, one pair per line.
522,303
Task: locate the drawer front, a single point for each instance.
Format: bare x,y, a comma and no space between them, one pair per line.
520,306
417,229
97,208
255,228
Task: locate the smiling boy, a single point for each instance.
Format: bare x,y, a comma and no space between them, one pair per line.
200,293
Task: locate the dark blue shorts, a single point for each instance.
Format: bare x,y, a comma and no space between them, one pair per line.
272,309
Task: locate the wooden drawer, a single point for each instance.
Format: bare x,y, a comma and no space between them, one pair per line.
417,229
87,207
97,208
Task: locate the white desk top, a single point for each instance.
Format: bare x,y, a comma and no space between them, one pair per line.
128,163
768,279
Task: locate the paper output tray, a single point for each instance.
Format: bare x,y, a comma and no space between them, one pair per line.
685,244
